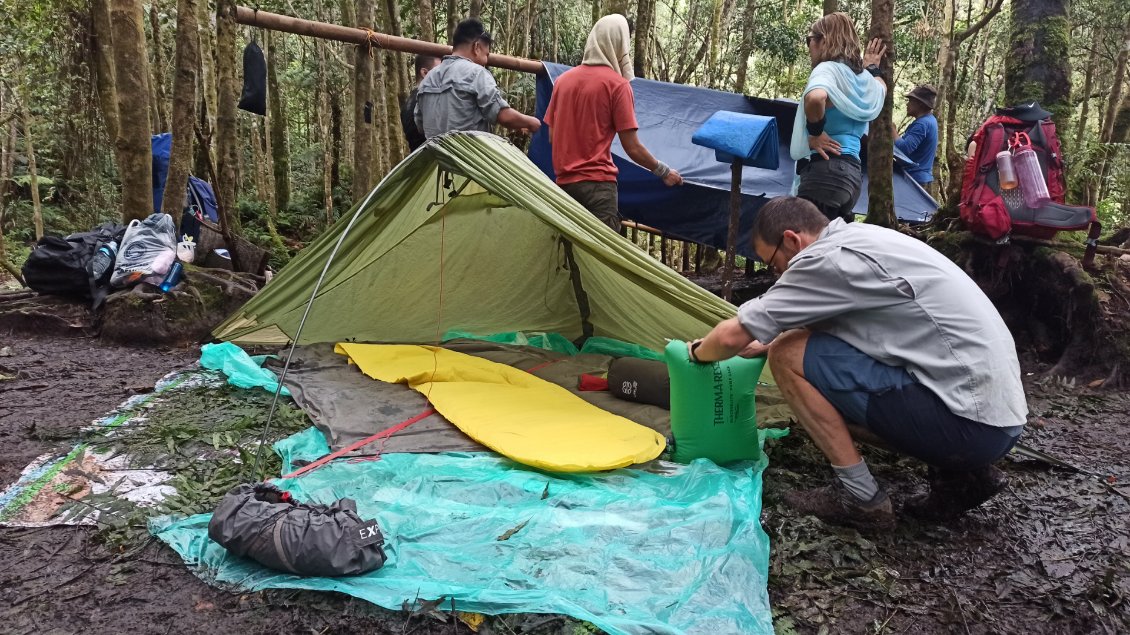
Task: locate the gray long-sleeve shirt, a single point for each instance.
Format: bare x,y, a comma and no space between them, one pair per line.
903,303
458,95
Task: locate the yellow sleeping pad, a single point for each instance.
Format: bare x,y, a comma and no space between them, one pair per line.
512,412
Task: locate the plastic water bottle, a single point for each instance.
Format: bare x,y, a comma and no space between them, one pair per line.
103,260
1033,187
1005,170
173,277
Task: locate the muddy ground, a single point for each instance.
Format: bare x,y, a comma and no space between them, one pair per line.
1050,555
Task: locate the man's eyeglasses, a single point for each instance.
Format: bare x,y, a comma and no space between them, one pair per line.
808,39
769,263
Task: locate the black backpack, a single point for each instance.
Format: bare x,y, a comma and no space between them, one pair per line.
61,266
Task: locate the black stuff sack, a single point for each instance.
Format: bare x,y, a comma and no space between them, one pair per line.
61,266
254,96
265,524
640,380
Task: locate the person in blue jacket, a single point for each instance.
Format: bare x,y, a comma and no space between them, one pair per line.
920,141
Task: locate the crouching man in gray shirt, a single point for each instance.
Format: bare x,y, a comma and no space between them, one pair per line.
874,336
461,94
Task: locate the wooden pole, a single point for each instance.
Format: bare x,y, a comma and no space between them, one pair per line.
732,234
351,35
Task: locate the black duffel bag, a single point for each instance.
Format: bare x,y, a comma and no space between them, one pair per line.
265,524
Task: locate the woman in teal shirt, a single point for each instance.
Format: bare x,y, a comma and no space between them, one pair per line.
844,92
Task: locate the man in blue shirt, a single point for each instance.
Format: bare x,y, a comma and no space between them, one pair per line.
920,141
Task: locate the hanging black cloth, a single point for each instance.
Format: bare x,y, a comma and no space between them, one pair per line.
254,97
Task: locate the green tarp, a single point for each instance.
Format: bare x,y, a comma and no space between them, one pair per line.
670,549
419,262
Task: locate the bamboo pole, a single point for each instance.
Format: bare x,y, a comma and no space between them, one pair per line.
351,35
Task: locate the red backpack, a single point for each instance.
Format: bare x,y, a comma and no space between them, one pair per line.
986,212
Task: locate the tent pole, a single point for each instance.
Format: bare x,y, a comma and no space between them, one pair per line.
351,35
306,312
732,234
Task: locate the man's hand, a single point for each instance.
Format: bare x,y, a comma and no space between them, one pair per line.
673,178
874,53
754,349
824,144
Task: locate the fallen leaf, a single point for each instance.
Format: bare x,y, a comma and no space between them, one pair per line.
472,620
204,606
1096,383
6,351
511,532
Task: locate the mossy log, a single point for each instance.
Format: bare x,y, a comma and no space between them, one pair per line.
1066,321
185,315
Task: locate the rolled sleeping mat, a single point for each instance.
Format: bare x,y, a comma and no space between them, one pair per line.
640,380
713,412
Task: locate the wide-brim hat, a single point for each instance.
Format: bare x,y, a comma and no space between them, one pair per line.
1030,112
925,94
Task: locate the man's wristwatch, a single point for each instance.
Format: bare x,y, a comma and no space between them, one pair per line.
694,346
874,70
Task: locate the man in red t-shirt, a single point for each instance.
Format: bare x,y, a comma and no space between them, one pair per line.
591,104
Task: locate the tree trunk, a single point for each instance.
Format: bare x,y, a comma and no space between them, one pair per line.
280,148
1038,65
259,154
645,23
1115,96
325,134
831,6
749,15
555,33
425,21
160,112
387,142
29,155
476,9
184,109
226,132
132,79
205,160
1120,131
1088,84
363,107
399,66
104,66
880,145
452,19
336,125
948,100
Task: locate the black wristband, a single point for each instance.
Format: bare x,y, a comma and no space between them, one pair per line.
874,70
693,346
816,128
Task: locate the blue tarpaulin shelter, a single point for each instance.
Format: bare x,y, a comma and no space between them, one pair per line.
668,115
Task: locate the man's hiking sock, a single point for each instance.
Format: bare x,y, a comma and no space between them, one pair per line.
857,480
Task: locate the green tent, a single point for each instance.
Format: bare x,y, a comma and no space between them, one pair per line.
467,234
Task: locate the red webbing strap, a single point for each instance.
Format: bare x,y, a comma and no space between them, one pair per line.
359,444
542,365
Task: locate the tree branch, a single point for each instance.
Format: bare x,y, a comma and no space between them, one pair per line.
958,38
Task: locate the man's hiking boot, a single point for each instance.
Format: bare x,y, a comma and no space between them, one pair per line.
954,493
834,504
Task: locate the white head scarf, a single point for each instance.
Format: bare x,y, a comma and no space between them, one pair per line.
608,45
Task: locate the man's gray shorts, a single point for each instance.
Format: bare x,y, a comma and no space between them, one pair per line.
893,406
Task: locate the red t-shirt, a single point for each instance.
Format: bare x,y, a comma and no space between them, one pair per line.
590,104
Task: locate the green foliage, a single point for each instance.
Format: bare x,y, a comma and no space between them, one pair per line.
206,437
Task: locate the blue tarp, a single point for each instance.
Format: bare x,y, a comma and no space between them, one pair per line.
669,549
668,115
